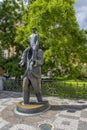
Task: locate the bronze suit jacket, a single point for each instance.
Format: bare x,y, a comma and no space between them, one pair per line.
36,70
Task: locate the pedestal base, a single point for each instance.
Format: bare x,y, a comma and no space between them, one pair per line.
32,108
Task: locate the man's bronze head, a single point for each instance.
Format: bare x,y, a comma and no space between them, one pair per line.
34,29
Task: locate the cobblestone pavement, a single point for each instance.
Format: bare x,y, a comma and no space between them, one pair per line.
64,114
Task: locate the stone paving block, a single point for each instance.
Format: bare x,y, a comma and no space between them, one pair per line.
57,129
22,127
2,108
2,100
83,119
6,102
70,113
84,114
2,123
70,124
82,125
6,127
67,114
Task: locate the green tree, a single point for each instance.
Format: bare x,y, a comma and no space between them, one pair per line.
1,58
60,37
10,16
11,67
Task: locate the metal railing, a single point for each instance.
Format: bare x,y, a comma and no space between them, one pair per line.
61,89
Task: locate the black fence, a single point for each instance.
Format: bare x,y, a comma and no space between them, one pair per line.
61,89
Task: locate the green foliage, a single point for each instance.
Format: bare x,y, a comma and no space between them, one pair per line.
62,89
65,89
12,85
63,43
10,66
75,72
61,39
31,1
10,16
84,71
2,59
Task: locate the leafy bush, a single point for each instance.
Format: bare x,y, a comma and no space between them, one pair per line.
10,66
84,71
12,85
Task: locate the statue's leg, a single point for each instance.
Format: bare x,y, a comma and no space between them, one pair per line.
39,97
37,89
34,55
26,91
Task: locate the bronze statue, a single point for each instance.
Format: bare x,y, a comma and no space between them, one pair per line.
32,59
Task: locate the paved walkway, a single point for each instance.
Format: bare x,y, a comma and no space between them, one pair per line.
64,114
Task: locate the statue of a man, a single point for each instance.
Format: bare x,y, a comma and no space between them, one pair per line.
34,43
32,58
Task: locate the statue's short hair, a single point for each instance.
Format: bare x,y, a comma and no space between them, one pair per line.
34,28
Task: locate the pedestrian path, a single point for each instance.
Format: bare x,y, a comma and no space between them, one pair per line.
64,114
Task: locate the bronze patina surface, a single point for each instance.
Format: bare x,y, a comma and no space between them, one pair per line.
32,107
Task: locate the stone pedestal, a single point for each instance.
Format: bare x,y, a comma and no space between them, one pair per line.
32,108
1,84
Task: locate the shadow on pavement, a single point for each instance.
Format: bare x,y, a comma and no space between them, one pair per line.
9,94
69,108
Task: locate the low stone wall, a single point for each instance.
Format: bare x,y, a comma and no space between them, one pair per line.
1,83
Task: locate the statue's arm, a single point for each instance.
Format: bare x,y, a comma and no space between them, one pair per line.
24,57
37,40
